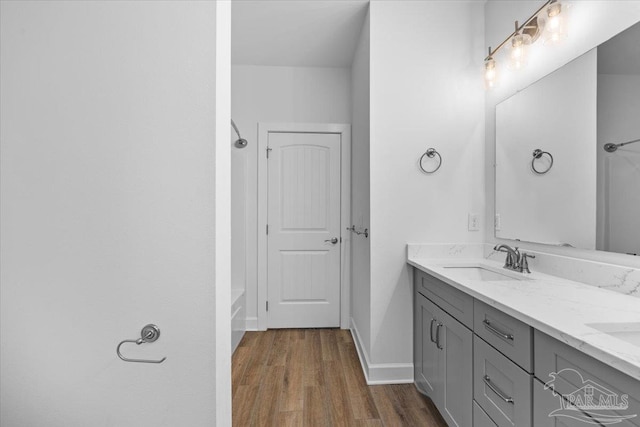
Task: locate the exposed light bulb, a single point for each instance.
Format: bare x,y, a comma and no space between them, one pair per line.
518,53
553,19
490,73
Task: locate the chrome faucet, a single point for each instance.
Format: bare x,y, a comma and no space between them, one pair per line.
513,256
523,264
515,260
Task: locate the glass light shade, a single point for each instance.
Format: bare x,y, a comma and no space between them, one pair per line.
490,73
519,49
553,21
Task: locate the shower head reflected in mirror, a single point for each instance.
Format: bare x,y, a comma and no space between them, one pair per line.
240,142
611,148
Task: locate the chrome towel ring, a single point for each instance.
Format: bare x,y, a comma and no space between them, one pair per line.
537,154
149,333
430,153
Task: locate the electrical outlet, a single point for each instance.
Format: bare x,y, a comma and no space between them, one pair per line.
474,222
496,222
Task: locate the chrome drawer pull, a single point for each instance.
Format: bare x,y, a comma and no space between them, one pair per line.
431,330
497,331
496,390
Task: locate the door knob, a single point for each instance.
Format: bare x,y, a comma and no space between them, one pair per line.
333,241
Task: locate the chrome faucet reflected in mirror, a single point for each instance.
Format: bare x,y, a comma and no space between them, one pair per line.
515,260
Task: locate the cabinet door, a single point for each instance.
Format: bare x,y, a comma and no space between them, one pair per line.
546,404
603,392
426,353
480,418
456,350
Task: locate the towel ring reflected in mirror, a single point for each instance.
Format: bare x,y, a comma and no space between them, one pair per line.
537,154
430,154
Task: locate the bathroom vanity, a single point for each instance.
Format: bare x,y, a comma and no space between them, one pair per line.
487,340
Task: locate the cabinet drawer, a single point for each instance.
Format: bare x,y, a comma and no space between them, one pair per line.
546,406
576,375
501,387
510,336
455,302
480,418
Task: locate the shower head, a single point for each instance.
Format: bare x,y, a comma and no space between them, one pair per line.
240,142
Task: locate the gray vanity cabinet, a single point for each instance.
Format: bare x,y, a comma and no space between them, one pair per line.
456,367
443,361
501,387
426,353
576,375
545,406
509,336
480,418
453,301
495,374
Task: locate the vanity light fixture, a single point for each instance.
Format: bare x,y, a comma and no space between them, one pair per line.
548,19
552,19
490,71
519,46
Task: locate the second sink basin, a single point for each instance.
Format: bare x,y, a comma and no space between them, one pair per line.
629,332
478,273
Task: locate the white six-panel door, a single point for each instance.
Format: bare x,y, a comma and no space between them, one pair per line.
303,249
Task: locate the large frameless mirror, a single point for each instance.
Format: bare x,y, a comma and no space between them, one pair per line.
555,181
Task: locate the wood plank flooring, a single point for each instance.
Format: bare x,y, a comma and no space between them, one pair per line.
312,377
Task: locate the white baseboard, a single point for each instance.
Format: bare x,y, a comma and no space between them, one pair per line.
380,373
252,323
236,337
237,322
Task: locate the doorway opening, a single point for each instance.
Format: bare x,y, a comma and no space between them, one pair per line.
291,63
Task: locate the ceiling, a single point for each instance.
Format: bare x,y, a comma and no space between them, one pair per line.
621,54
298,33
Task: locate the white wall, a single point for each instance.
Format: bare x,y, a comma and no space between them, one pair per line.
222,283
590,23
426,91
360,188
280,94
556,114
113,213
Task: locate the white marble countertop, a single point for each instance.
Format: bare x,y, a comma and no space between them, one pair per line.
558,307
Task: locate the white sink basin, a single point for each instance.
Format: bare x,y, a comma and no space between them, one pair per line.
629,332
478,273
